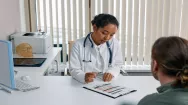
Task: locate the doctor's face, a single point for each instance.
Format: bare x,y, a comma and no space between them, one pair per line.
101,35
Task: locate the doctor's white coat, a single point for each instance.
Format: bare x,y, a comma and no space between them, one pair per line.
78,68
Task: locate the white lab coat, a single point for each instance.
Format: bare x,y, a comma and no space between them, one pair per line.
78,68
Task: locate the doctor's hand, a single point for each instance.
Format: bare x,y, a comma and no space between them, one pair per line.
90,76
107,77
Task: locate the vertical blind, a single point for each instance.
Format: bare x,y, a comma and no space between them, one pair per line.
141,22
65,20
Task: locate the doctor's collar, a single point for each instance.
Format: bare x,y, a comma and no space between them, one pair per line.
95,45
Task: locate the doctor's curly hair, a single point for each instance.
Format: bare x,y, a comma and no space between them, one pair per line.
171,53
102,20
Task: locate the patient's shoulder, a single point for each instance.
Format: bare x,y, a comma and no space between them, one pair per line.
149,99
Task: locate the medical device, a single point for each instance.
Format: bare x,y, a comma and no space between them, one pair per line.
109,49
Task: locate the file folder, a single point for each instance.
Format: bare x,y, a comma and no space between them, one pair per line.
109,89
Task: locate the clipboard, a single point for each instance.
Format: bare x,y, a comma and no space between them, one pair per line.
110,90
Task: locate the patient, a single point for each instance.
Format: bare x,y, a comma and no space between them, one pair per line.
170,67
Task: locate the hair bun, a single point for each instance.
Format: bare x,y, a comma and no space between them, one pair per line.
184,76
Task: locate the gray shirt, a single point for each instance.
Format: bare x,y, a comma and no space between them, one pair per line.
167,95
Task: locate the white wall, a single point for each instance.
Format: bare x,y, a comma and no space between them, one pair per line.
9,18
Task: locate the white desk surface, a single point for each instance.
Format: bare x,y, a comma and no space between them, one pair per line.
63,90
40,70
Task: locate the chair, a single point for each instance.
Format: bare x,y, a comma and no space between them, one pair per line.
70,47
66,72
64,67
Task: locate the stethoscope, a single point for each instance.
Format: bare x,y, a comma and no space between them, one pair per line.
108,45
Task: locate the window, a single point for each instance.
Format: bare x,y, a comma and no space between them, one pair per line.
141,22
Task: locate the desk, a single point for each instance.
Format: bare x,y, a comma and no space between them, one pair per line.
51,56
63,90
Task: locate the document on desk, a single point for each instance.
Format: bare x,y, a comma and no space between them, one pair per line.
109,89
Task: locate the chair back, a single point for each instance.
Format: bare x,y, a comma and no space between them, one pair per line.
70,47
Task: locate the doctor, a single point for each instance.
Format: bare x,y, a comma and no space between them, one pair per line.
98,52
